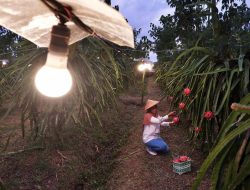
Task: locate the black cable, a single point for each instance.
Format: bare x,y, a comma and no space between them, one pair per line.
64,14
56,8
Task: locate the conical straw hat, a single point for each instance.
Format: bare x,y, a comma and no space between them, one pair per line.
150,103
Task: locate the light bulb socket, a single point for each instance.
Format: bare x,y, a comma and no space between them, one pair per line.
60,35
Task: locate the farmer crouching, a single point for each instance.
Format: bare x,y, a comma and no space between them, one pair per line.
151,128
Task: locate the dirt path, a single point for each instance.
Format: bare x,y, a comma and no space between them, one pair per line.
136,169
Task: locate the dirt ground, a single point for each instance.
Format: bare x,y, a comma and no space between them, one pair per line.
107,158
136,169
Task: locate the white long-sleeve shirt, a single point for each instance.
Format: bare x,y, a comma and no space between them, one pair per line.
152,131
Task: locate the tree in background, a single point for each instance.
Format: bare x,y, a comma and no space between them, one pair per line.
196,19
209,54
220,45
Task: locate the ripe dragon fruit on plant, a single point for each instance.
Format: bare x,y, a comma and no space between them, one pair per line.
208,115
176,120
187,91
182,105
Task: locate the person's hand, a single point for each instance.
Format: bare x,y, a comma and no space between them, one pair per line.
172,113
165,124
171,124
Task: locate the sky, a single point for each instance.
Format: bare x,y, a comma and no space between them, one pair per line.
141,13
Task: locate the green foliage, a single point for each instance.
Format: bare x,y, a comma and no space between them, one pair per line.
214,87
209,53
215,67
230,156
224,31
11,45
97,79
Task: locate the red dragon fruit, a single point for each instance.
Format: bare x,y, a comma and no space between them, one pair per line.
176,120
182,105
208,115
187,91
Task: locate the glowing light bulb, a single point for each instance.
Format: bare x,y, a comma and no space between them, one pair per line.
148,66
141,67
54,79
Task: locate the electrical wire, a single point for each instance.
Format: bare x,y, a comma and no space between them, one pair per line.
120,50
64,13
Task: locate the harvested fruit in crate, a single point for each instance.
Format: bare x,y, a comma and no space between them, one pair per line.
182,164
